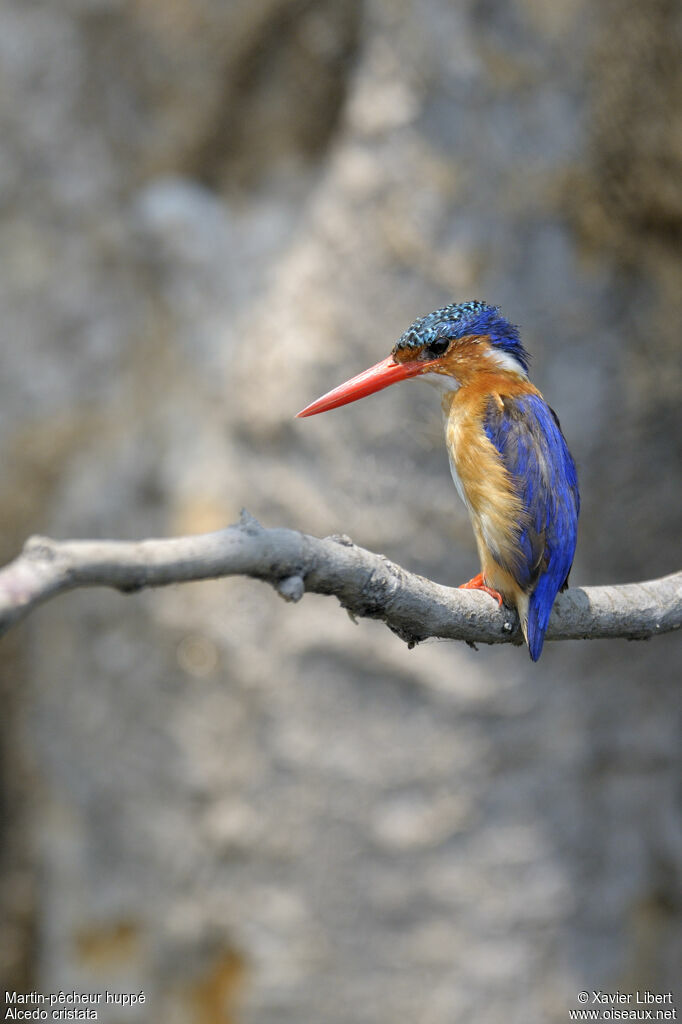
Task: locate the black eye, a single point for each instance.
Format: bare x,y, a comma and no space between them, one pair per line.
437,348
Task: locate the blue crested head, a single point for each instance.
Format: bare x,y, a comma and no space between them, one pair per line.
465,319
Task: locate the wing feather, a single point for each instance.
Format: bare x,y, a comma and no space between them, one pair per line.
528,437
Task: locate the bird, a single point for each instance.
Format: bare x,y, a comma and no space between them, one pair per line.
508,456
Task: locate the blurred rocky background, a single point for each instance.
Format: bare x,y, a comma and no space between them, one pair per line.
211,213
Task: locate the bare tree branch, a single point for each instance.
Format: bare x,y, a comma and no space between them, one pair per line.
365,583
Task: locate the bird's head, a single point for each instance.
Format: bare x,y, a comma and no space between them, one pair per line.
449,346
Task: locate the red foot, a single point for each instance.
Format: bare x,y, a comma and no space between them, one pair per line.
477,583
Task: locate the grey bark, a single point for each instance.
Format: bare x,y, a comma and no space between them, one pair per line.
366,584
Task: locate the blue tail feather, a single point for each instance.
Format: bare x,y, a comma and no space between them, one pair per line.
539,610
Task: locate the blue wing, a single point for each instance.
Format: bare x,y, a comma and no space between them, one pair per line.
527,434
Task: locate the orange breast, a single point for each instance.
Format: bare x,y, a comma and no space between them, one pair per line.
485,485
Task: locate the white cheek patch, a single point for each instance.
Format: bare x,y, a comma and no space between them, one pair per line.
505,360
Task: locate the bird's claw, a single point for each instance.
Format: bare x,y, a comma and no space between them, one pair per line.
478,583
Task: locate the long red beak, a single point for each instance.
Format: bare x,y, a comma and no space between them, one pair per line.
375,379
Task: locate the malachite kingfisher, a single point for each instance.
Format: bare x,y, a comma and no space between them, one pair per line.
508,457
